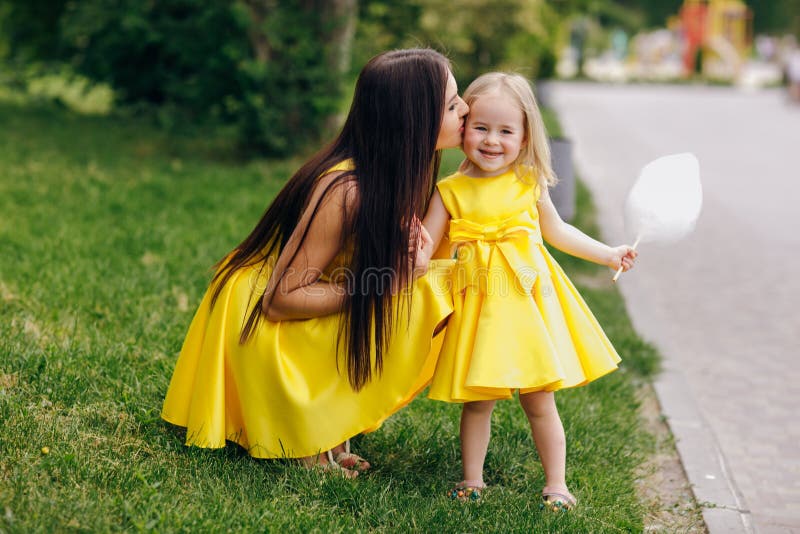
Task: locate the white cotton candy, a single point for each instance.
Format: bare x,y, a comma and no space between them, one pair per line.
665,201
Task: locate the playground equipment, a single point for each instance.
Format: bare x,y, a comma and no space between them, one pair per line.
717,35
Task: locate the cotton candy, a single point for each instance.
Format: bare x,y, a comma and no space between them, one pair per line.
665,202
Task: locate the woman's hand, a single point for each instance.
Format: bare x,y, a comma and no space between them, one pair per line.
622,256
423,242
419,241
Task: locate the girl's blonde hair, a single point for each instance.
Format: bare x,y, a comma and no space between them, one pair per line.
535,152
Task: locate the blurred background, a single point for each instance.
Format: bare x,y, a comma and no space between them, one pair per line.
277,75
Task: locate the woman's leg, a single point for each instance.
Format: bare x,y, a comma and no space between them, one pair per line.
548,435
476,427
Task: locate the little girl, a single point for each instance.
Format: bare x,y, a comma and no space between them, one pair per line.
519,323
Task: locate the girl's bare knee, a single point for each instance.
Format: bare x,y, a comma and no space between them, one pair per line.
479,407
538,403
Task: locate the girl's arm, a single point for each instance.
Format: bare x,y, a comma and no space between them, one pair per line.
569,239
294,290
436,219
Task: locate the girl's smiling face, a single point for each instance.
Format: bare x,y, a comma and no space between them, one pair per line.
455,109
494,134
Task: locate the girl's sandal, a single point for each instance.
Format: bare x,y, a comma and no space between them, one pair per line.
467,490
557,502
349,460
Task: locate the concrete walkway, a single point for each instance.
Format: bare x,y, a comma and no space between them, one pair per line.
722,306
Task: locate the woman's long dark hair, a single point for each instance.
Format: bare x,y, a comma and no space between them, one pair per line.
390,134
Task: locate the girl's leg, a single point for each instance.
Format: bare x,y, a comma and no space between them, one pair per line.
548,435
476,426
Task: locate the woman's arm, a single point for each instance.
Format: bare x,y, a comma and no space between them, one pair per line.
295,290
569,239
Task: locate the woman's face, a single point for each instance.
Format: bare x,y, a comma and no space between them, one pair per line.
455,110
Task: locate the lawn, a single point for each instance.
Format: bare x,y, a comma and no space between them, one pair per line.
108,228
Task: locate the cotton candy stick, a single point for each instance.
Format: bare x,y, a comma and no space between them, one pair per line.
619,271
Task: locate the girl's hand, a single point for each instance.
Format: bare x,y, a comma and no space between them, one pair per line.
622,256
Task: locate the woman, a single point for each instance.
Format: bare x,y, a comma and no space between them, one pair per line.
304,337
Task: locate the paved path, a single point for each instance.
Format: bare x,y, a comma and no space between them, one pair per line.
723,306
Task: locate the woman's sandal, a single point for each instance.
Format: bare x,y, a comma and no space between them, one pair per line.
333,468
467,490
557,502
348,460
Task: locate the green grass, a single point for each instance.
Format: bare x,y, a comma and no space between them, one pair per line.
107,232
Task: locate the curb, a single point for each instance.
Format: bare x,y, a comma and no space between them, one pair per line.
703,462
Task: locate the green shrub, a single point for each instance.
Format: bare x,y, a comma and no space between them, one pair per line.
262,66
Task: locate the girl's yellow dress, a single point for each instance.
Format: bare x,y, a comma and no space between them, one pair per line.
518,322
281,395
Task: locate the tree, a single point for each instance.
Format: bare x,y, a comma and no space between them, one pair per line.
273,68
776,16
477,35
294,77
31,28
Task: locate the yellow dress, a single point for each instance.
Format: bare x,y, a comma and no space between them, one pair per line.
518,322
280,395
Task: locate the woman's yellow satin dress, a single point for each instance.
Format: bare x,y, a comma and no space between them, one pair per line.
282,394
518,323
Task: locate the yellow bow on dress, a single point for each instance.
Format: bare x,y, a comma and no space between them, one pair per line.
483,247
